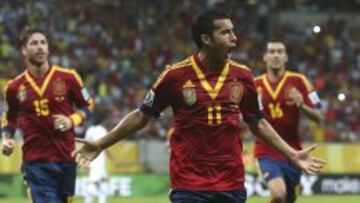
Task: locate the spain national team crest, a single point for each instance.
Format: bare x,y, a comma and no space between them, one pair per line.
288,90
189,93
21,93
59,89
236,91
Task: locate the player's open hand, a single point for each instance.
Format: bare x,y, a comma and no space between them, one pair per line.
8,145
308,163
86,153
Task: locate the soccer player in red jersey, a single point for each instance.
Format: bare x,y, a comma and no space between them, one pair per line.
284,95
40,103
206,91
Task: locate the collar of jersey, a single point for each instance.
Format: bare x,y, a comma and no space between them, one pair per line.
274,92
39,90
213,92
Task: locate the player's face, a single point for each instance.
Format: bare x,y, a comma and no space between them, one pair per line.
36,50
275,56
223,38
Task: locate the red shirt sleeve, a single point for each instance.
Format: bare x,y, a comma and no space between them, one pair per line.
159,96
310,96
80,95
249,104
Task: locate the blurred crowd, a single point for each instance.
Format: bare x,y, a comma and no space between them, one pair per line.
119,47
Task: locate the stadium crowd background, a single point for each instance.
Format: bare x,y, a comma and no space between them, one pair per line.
119,47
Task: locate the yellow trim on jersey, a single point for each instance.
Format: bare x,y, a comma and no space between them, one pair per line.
260,77
306,82
238,65
213,92
39,90
274,94
186,62
73,72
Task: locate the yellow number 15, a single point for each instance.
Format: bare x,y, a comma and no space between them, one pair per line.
42,107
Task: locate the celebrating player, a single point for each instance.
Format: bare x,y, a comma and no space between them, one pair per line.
40,102
284,96
207,91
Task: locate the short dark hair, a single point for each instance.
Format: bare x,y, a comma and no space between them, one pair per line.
27,32
204,24
273,39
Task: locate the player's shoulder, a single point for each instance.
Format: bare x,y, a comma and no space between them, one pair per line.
297,75
299,78
64,70
176,68
238,66
185,63
259,78
68,73
16,81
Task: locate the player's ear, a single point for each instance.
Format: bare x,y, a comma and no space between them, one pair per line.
264,57
205,39
23,51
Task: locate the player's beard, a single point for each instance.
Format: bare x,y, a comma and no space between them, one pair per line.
36,62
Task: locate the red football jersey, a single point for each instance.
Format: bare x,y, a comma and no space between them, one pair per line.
282,116
31,103
206,145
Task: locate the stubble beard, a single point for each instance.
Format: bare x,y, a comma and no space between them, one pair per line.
37,63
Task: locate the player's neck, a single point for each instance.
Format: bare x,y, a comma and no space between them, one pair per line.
38,70
213,61
275,75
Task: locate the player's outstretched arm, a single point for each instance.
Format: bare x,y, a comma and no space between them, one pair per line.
131,123
302,158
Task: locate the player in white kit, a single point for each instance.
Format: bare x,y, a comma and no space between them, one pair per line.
97,186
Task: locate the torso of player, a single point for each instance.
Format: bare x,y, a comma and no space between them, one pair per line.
284,117
97,167
44,97
37,101
207,104
206,142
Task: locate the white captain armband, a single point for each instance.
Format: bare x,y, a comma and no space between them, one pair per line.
261,107
314,98
85,93
149,99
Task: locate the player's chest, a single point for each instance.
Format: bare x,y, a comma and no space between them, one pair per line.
39,94
213,88
276,99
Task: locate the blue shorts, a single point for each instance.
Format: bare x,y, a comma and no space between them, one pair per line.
272,168
190,196
50,182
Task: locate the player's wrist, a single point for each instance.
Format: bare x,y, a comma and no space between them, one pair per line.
76,119
7,136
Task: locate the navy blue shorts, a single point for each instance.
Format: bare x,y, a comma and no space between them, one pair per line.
190,196
272,168
50,182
